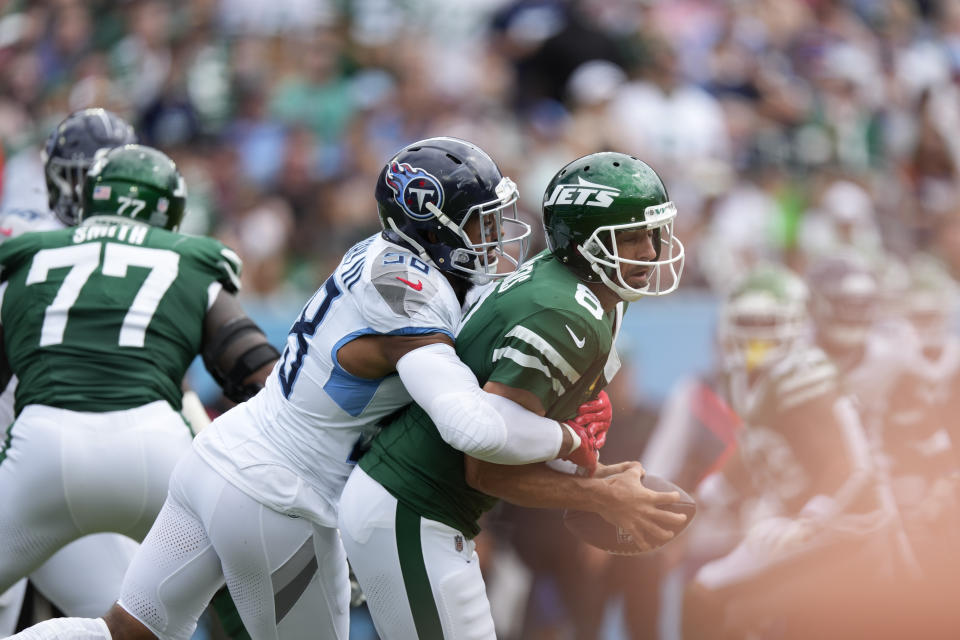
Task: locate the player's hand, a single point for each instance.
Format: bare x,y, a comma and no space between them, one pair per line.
585,455
605,470
595,416
629,505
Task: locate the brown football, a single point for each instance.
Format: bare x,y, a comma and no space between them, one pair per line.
594,530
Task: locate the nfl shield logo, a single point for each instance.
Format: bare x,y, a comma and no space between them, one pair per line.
162,205
458,543
101,192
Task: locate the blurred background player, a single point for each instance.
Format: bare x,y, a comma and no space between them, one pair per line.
122,294
803,462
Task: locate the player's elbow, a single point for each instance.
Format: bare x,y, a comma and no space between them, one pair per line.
469,424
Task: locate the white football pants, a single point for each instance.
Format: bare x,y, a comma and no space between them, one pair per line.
65,474
82,579
421,577
287,578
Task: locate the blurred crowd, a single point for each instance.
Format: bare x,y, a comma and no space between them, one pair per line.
785,130
280,114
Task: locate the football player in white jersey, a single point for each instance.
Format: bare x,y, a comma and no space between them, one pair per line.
83,577
254,504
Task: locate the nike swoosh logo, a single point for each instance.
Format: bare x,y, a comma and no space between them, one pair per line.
6,232
415,287
578,341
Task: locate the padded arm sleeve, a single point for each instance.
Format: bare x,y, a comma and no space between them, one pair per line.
483,425
234,348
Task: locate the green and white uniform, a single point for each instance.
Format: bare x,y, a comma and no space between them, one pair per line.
100,323
407,516
808,456
83,578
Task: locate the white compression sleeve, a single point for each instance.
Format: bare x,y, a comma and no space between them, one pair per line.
483,425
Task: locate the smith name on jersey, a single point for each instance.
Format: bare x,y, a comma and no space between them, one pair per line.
293,445
107,296
540,330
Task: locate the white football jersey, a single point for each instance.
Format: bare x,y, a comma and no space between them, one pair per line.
15,222
293,445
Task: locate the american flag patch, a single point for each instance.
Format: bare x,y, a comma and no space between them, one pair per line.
101,192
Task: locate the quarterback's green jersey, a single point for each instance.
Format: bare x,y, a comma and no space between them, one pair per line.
107,315
541,330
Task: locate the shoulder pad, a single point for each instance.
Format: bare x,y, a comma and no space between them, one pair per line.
222,260
16,252
405,282
804,375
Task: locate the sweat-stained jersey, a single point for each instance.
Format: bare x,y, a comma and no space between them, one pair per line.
81,305
293,445
541,330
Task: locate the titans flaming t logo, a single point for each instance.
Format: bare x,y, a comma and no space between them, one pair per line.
413,188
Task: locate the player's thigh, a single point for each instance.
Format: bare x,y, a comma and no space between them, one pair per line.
83,578
312,591
286,579
421,578
118,481
34,512
176,570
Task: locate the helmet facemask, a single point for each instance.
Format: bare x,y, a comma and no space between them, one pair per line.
65,184
663,276
479,261
756,330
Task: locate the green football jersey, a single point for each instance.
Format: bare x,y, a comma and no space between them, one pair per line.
791,441
107,315
541,330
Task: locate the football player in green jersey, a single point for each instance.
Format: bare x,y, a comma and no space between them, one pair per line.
544,338
84,576
99,323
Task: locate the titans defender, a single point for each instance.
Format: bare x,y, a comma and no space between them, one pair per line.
543,337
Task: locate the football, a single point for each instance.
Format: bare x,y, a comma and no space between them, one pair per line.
594,530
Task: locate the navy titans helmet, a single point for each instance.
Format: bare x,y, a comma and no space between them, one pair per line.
69,152
433,194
